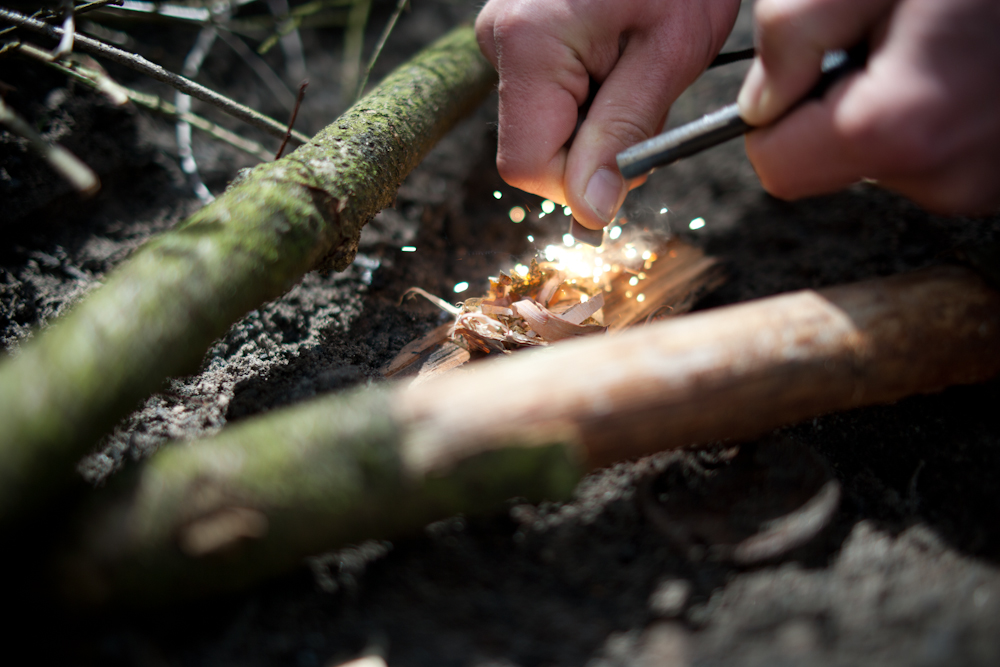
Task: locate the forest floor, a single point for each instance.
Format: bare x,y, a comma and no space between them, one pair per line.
906,574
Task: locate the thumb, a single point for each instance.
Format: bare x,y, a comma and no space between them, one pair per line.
630,106
792,36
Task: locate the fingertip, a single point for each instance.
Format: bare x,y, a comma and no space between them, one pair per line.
603,196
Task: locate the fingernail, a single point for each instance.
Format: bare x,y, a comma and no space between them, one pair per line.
604,193
754,95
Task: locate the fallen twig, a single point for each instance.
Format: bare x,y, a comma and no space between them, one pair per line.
251,501
185,151
291,121
80,176
68,31
291,43
157,314
115,91
400,6
263,71
140,64
354,42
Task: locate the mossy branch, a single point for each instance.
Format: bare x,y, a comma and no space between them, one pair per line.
159,312
222,513
229,510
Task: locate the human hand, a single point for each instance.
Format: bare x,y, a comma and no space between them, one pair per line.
922,118
643,53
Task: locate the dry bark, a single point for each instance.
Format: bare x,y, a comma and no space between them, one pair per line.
158,313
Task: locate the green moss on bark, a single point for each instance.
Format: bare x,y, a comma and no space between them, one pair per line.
224,512
158,313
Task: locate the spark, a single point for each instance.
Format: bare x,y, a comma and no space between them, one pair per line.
548,205
584,298
497,194
521,269
409,248
633,281
567,210
647,254
517,214
461,287
531,239
663,210
541,215
697,223
615,233
568,240
640,298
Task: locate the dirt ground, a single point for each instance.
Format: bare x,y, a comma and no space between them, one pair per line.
906,574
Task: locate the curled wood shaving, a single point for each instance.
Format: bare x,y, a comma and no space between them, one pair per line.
523,311
550,326
436,300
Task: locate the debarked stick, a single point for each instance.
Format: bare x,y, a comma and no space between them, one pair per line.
252,501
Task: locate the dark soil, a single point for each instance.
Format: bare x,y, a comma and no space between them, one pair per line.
906,574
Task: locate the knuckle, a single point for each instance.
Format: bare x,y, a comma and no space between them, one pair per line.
484,29
516,173
627,129
777,15
515,22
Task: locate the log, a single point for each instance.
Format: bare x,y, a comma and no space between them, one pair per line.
224,512
158,313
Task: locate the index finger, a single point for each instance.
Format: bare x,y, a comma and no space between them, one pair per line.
543,82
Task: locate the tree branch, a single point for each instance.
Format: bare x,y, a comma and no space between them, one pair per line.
140,64
252,501
157,314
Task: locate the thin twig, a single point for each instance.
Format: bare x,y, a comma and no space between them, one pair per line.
400,6
154,103
96,79
69,32
98,4
291,43
291,121
263,71
178,11
67,165
354,42
140,64
104,83
192,65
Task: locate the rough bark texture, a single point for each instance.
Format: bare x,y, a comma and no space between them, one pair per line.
225,512
158,313
253,500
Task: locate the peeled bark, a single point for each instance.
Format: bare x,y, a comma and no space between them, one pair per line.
252,501
159,312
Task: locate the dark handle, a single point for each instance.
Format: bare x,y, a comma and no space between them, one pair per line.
722,125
